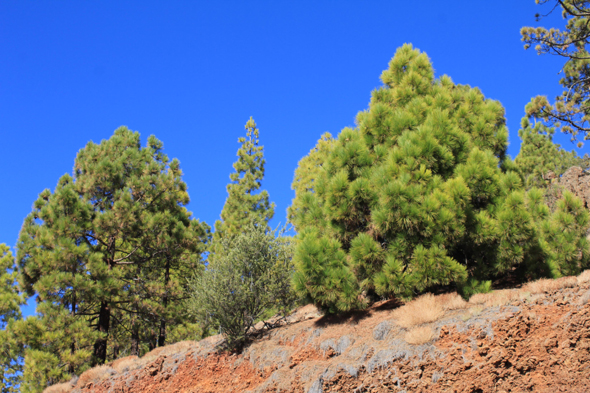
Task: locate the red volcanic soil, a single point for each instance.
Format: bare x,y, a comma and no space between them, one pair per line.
537,343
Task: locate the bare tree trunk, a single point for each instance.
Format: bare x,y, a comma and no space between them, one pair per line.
100,346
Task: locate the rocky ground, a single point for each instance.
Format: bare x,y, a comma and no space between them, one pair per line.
516,341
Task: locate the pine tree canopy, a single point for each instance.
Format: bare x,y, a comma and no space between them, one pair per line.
107,254
571,109
420,193
244,204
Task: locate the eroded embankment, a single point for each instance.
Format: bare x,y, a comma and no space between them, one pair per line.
509,341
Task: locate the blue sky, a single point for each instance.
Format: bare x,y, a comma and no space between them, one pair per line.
192,73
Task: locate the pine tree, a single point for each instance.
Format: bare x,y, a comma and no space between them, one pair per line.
420,194
540,159
106,245
243,204
308,170
571,109
10,301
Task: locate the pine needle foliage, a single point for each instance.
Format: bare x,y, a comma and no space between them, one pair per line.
421,194
571,109
252,276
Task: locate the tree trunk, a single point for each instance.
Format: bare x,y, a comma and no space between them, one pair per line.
100,346
135,339
73,344
162,333
162,336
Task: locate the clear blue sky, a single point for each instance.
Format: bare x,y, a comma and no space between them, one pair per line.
192,73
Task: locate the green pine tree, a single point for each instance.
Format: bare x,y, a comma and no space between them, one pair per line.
420,194
101,251
540,159
309,169
11,352
244,204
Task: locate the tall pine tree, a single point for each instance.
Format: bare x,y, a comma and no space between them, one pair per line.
244,204
102,250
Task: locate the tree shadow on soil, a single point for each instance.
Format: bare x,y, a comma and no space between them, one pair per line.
354,317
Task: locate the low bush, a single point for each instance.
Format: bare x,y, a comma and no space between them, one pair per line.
251,275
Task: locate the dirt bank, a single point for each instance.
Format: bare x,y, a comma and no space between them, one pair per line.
516,341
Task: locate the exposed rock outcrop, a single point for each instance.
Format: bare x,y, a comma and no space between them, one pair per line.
577,182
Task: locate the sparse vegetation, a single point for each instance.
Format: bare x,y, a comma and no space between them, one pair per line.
168,350
451,301
124,364
95,375
421,310
548,285
584,277
64,387
472,312
494,298
419,335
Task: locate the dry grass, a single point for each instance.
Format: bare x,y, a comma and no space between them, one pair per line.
584,277
95,374
125,364
65,387
421,310
495,298
548,285
181,346
419,335
451,301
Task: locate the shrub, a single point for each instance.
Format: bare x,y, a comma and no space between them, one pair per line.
251,275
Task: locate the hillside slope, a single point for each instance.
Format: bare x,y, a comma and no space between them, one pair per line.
533,339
